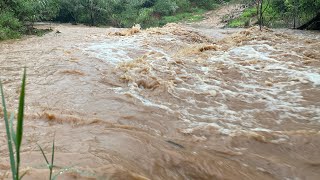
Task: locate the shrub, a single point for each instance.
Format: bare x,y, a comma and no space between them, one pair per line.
10,27
165,7
184,5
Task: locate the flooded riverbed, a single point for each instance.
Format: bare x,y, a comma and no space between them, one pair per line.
168,103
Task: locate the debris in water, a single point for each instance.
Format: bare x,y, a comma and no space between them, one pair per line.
175,144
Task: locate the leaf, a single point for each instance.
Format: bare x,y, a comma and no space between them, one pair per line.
52,158
13,134
23,174
21,112
11,153
19,132
45,157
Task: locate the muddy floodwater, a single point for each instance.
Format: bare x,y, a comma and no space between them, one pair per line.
167,103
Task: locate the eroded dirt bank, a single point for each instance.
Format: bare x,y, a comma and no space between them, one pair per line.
168,103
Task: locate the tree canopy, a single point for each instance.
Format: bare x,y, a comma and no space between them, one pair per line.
17,15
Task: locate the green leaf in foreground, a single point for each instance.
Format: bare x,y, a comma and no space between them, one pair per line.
19,132
12,136
52,158
49,165
11,153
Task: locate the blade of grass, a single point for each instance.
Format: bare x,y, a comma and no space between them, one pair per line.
49,165
19,132
11,153
43,154
13,134
23,174
52,158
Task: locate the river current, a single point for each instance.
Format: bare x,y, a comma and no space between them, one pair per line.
167,103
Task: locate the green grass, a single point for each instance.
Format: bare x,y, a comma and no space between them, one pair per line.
236,23
244,19
249,13
194,16
50,165
14,138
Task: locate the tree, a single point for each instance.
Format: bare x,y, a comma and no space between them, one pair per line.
260,13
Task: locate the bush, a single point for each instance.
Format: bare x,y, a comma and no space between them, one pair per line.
10,27
251,12
183,5
6,33
165,7
197,15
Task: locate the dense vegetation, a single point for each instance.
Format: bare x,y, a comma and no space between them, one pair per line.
17,16
277,13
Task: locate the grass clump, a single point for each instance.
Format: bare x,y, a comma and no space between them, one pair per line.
50,165
245,19
195,15
14,137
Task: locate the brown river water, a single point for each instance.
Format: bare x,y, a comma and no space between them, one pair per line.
167,103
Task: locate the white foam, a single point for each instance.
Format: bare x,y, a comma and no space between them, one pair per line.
280,97
313,77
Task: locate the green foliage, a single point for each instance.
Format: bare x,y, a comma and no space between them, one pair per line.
183,6
236,23
281,13
245,18
119,13
14,138
165,7
249,13
195,16
124,13
289,13
10,26
7,19
50,165
19,15
46,9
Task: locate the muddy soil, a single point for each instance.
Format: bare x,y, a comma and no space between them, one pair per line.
167,103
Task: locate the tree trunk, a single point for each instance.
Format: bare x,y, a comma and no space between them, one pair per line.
261,15
295,12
